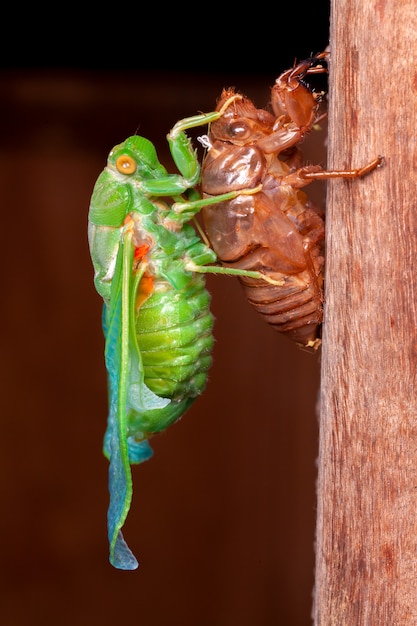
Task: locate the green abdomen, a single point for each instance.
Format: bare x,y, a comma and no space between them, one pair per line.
174,331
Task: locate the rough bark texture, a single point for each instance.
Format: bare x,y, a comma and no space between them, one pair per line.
366,553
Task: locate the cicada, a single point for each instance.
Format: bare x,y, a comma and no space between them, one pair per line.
149,264
278,231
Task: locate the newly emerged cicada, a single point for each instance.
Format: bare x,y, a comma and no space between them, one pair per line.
149,269
277,231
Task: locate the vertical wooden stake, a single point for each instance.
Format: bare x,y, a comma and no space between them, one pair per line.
366,549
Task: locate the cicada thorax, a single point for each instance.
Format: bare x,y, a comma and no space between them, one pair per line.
276,231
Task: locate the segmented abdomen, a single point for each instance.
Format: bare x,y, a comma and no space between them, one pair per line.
294,308
174,330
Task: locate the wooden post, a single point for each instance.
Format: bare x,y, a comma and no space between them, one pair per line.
366,549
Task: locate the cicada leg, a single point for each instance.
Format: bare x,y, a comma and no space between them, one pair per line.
182,152
294,100
231,271
305,175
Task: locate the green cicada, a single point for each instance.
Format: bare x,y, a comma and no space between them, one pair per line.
149,269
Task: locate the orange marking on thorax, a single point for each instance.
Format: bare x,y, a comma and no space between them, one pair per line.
145,289
141,251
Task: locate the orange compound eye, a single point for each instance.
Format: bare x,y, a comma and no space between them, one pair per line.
125,164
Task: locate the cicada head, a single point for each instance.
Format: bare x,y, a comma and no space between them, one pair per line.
241,123
136,157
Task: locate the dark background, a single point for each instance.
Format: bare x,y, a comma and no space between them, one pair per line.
223,516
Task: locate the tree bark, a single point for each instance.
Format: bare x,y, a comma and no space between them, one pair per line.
366,546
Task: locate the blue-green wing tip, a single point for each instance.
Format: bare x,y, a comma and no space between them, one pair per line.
121,557
139,451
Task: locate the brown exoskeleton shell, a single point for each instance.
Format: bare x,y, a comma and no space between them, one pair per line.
277,230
